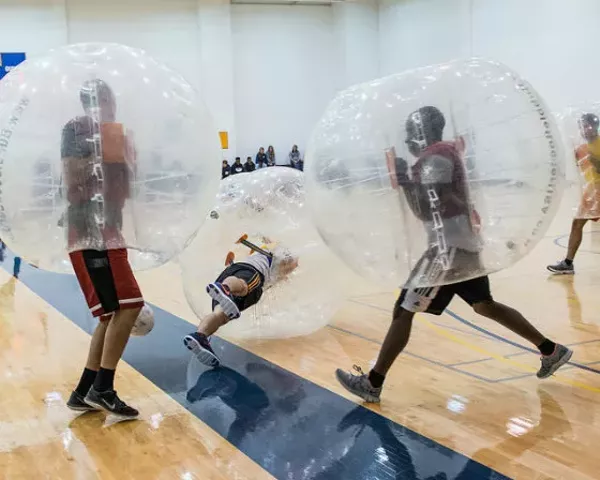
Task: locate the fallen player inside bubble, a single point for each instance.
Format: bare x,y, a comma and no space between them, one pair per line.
239,287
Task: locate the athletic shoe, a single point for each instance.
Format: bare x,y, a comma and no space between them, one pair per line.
359,384
199,345
562,268
220,294
77,403
551,363
111,403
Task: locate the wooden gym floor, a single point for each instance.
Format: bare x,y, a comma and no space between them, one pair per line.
463,402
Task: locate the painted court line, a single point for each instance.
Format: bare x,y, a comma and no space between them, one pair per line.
500,358
414,355
510,342
558,240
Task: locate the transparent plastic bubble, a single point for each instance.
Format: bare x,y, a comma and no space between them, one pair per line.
580,127
436,175
268,205
103,147
144,323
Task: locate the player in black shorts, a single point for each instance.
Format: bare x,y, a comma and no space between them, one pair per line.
237,288
437,192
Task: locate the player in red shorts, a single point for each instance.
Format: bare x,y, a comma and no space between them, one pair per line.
98,159
437,192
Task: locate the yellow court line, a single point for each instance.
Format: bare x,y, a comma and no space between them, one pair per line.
520,366
445,333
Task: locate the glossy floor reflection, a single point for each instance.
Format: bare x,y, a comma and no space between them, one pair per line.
462,402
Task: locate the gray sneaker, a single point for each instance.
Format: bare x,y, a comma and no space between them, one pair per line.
562,268
552,363
359,384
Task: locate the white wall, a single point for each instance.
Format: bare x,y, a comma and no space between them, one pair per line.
169,30
216,66
357,41
416,33
268,72
32,26
285,72
549,42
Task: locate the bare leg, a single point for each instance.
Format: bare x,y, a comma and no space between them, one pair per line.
369,386
395,341
117,336
212,322
510,318
96,347
575,237
237,287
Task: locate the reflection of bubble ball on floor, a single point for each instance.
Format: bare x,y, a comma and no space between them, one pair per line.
457,165
103,147
580,129
268,206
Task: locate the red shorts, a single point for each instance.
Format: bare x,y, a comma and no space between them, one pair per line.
106,280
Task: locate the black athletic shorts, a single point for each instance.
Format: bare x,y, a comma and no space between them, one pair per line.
434,300
253,278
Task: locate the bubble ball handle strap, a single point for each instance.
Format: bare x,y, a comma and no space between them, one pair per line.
97,156
254,248
398,171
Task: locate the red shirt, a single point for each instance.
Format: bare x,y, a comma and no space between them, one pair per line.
455,175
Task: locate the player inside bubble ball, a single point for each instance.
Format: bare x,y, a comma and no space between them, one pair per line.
436,190
587,157
237,288
98,158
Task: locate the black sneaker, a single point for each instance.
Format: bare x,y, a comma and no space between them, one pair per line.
199,345
111,403
562,268
77,403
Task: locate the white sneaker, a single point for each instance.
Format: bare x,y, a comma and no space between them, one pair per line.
220,294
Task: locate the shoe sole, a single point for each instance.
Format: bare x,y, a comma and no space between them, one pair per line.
204,356
365,396
227,304
561,272
565,359
104,409
82,409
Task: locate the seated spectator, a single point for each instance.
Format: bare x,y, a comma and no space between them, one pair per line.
225,170
270,156
295,158
249,166
261,158
237,167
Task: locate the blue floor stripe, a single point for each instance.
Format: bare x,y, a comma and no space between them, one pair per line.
291,427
